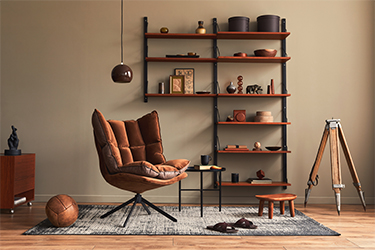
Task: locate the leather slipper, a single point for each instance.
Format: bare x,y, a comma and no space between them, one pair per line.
243,223
223,228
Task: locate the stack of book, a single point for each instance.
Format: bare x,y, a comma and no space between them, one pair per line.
259,181
236,148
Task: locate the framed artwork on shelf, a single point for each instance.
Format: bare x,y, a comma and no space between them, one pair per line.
177,84
189,78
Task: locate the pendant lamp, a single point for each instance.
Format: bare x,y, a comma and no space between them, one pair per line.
122,73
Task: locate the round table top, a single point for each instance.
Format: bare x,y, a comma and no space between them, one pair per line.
277,197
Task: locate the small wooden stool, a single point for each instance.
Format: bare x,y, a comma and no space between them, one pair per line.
276,197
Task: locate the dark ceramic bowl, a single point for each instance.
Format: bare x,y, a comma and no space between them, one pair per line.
273,148
265,52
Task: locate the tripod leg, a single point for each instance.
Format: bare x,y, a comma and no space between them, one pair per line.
315,168
350,162
335,165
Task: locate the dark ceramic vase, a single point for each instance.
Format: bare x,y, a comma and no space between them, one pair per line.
231,88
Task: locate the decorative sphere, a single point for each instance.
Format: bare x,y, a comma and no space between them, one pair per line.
257,144
122,74
62,210
164,30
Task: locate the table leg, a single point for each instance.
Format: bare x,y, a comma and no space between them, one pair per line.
291,208
270,209
201,194
179,196
261,204
220,191
282,207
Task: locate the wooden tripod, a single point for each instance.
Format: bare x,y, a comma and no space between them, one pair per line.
334,132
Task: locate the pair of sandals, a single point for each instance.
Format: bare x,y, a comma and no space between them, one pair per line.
230,227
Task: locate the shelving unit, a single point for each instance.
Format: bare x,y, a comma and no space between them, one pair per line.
214,60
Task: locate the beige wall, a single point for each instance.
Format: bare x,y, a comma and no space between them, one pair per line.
56,59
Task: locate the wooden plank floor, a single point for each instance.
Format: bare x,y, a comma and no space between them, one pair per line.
357,230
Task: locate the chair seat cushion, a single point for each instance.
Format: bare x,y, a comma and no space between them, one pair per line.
164,171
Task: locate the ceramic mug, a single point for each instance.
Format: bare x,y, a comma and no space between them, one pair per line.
235,177
205,159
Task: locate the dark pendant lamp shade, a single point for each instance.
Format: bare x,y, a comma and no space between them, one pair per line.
122,73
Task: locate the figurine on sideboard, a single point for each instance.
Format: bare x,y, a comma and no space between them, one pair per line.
13,142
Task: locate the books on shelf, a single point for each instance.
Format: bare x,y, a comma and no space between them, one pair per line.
236,148
206,167
259,181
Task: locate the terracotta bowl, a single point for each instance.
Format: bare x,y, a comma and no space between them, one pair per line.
265,52
240,54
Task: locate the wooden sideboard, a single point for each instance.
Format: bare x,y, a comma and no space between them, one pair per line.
17,180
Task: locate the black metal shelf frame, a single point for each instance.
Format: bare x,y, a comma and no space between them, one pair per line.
215,88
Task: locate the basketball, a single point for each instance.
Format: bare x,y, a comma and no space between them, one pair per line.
62,210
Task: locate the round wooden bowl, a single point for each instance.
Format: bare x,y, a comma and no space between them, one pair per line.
265,52
240,54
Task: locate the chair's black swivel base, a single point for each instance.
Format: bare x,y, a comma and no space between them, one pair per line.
138,199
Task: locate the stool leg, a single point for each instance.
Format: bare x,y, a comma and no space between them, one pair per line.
261,204
291,208
282,207
270,209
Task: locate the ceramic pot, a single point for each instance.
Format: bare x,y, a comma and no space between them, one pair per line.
164,30
231,88
200,29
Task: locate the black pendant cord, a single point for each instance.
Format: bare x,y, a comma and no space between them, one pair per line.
122,31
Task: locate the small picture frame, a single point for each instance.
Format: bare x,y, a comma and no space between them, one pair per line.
176,84
189,78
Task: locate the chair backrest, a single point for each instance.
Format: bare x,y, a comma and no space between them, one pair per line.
123,142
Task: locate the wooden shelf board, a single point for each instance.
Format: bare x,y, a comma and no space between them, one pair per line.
243,183
253,35
253,95
253,59
223,35
179,59
232,59
251,152
180,36
180,95
213,95
254,123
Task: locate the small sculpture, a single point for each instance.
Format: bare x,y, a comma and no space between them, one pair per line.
260,174
13,143
230,119
239,83
257,146
271,88
254,89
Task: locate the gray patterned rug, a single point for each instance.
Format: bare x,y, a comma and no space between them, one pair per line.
189,222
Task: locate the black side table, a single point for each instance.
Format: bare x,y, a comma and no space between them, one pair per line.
215,172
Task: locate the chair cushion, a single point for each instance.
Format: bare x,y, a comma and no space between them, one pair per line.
167,170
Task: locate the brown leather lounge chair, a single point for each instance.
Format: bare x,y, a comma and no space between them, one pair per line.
131,158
